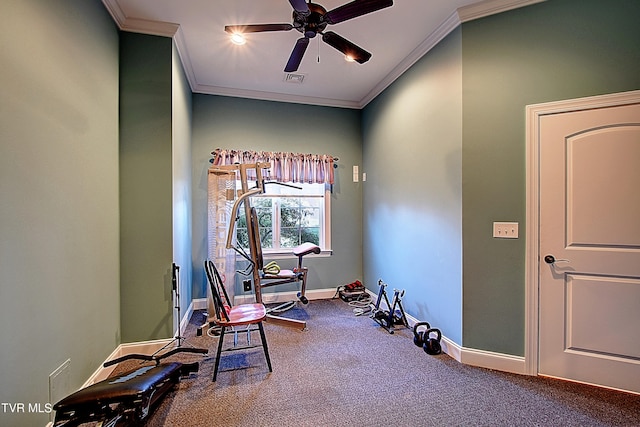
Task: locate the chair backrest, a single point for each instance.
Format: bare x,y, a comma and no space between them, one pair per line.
216,285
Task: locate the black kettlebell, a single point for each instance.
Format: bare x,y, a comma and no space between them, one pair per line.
418,337
432,345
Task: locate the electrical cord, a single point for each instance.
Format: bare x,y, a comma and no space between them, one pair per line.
282,307
362,305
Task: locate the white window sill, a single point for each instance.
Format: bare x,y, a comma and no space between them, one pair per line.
287,254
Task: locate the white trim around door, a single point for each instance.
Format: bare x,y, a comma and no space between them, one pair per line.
533,115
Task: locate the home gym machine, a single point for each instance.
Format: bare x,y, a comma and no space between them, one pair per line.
394,313
262,275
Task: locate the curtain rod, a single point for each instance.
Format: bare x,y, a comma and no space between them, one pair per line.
335,159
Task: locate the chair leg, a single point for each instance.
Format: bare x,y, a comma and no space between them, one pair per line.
264,345
217,364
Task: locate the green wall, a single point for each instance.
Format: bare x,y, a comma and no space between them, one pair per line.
449,136
558,49
413,197
59,238
460,109
181,177
146,184
225,122
155,186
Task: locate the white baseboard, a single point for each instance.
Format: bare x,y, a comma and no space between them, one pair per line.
270,297
469,356
491,360
143,347
449,347
184,322
480,358
200,304
275,297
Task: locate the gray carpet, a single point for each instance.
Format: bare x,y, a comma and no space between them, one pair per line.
345,370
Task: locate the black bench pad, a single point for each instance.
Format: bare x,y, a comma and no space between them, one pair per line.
128,396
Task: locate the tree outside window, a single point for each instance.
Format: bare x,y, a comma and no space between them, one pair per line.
286,220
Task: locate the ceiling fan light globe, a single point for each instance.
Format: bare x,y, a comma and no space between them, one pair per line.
239,39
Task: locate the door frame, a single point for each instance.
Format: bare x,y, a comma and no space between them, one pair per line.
534,113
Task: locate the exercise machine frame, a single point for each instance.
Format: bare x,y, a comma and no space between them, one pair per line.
263,280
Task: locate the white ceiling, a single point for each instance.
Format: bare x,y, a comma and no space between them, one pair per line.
396,36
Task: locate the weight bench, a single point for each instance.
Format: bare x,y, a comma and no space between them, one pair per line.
124,400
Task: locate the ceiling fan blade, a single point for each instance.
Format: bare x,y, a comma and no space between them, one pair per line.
300,6
257,28
296,55
354,9
351,50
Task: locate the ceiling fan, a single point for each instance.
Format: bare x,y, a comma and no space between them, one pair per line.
311,19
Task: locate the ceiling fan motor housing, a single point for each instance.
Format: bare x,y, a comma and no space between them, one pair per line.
310,24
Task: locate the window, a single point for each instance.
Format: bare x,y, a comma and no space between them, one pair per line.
289,216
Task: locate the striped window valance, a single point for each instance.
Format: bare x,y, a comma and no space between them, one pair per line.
285,167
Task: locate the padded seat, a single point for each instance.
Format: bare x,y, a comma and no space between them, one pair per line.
306,249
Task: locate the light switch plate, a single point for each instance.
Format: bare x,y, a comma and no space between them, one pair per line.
505,230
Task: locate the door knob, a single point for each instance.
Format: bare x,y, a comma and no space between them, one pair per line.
550,259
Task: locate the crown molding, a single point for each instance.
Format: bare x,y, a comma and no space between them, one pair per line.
135,25
155,28
115,11
185,59
167,29
273,96
491,7
450,24
462,14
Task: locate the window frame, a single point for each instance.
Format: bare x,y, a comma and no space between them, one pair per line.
325,220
